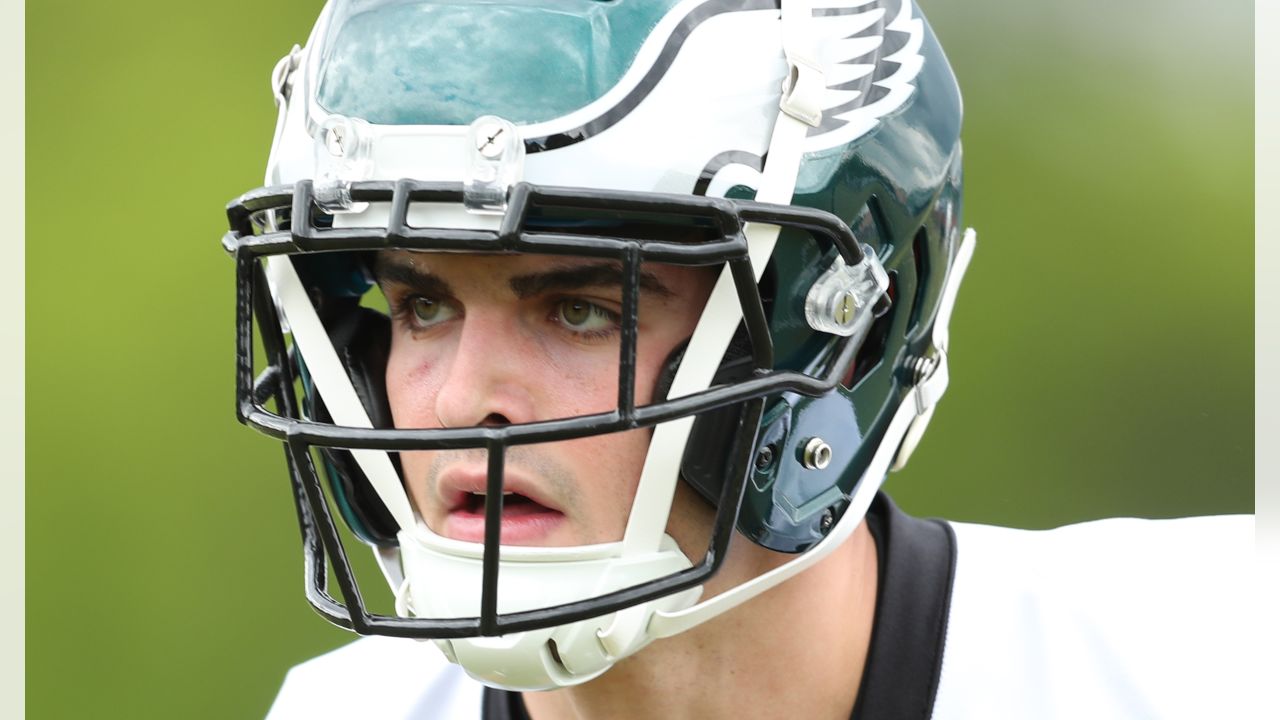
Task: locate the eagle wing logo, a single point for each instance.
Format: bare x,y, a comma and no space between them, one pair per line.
871,56
870,51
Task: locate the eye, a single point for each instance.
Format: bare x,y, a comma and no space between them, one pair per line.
425,311
581,316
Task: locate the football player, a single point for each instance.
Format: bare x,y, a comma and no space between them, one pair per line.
602,323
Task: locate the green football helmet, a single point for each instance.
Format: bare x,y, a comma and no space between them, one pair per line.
806,155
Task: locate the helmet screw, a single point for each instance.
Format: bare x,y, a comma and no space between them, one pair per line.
335,140
920,368
764,458
828,519
489,140
817,454
845,307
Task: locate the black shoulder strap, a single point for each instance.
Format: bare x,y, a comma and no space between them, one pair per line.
502,705
917,567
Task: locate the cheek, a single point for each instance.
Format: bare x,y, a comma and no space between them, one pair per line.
606,471
411,400
613,463
651,362
667,326
569,382
411,386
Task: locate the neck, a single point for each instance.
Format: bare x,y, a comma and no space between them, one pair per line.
801,646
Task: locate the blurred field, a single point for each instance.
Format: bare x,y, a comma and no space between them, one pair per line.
1101,354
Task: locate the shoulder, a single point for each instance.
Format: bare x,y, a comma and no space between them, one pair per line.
1114,618
378,677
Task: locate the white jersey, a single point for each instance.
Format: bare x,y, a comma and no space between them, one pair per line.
1108,619
375,678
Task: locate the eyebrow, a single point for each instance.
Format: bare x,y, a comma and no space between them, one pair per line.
385,269
600,274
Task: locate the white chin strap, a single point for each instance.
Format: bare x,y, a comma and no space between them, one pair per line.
437,577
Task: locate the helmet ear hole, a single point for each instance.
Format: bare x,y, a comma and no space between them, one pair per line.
362,339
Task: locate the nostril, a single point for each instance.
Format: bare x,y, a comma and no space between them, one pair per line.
494,420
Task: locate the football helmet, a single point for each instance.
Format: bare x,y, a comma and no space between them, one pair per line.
805,152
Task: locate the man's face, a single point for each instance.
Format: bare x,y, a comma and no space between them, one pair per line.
502,339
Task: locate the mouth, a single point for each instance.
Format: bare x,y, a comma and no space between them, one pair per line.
526,519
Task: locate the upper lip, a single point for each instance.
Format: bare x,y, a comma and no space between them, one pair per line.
456,483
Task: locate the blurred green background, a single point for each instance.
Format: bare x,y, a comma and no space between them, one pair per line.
1102,352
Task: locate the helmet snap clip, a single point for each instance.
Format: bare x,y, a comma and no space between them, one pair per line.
343,152
842,301
495,162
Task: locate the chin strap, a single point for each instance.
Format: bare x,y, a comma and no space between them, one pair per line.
912,415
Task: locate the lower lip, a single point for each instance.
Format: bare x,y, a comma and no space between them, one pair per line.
522,524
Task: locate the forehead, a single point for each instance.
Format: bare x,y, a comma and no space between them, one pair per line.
461,263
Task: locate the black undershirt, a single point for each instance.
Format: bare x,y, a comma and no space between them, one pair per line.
917,561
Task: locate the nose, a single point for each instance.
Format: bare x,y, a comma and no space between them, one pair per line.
486,379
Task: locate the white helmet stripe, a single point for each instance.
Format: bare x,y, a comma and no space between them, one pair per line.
332,382
722,313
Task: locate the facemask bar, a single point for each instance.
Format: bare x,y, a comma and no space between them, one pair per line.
320,536
276,383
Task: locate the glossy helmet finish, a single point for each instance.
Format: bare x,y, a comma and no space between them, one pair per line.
812,149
